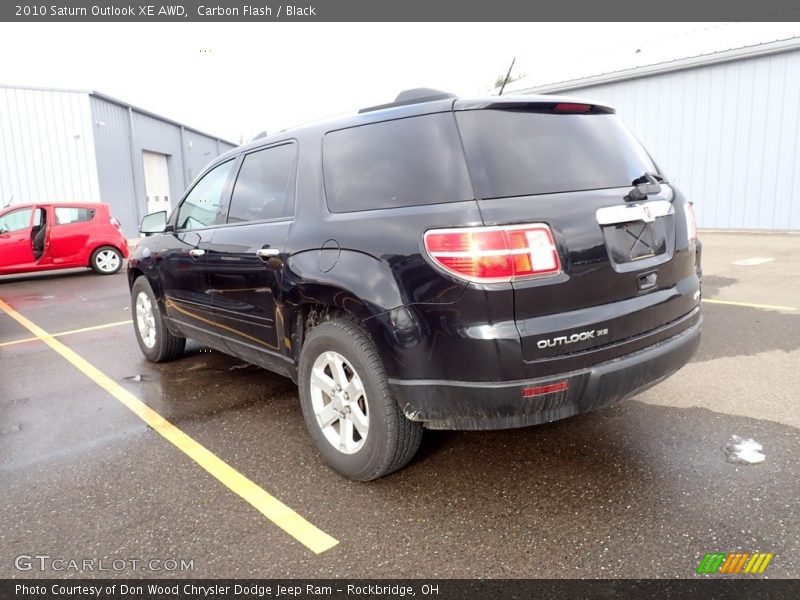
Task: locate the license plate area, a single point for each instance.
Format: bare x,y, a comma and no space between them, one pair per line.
628,242
638,236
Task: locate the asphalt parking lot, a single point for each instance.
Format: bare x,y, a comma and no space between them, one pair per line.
642,489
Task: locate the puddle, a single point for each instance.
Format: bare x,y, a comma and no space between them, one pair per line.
713,283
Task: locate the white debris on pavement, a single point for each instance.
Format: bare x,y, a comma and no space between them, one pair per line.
743,451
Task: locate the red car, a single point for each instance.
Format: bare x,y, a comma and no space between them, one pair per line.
41,237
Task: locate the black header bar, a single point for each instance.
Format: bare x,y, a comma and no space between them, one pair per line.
633,11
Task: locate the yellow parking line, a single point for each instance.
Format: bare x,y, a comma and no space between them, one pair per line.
269,506
70,332
750,304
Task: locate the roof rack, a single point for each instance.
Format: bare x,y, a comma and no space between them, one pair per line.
415,96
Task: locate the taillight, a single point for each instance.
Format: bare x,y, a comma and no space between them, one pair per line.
495,254
115,223
691,222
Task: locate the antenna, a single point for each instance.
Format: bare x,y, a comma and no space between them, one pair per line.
505,81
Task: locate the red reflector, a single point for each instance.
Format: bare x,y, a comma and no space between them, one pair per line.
573,107
545,389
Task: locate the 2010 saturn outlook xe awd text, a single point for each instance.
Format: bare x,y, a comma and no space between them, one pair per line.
434,262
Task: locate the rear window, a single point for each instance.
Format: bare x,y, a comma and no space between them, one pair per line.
406,162
514,153
66,215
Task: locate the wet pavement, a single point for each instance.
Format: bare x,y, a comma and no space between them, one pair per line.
642,489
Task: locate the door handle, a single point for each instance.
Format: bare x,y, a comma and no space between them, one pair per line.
196,252
267,252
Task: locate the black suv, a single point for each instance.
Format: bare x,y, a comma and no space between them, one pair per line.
435,262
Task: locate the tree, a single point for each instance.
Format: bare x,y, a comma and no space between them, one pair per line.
501,78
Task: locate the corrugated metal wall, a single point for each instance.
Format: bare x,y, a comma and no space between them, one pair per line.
46,147
200,150
122,134
115,173
727,134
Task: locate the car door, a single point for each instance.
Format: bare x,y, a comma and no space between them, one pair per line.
69,234
182,252
245,255
16,250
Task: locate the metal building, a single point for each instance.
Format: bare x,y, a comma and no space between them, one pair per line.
724,126
71,145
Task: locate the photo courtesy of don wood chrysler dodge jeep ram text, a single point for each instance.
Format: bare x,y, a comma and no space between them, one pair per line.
433,263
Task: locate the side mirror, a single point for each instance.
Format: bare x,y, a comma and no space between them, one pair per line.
154,223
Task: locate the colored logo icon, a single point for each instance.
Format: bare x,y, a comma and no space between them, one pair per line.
734,563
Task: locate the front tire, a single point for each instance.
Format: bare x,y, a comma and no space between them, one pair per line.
155,341
106,260
349,410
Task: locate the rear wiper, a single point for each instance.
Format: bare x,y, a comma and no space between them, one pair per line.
644,186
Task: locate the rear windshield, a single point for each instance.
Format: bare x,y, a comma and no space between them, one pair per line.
406,162
514,153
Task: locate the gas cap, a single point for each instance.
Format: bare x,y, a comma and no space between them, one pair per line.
328,255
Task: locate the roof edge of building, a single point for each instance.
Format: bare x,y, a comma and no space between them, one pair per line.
680,64
148,113
43,88
118,102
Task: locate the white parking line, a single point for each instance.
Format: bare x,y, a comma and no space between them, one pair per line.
752,262
70,332
750,304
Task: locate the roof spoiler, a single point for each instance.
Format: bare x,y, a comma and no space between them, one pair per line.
415,96
544,104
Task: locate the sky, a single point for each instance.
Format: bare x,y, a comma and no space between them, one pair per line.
235,80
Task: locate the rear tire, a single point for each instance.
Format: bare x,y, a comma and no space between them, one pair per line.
106,260
343,386
155,341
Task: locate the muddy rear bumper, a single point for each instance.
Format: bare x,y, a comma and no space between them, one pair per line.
502,405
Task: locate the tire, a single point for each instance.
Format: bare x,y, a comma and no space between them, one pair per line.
389,440
155,340
106,260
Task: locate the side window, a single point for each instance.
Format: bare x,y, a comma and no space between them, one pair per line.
69,214
264,188
16,220
199,208
405,162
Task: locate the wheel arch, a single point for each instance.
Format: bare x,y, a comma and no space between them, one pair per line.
358,286
97,246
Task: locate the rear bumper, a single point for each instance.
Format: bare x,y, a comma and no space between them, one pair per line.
501,405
